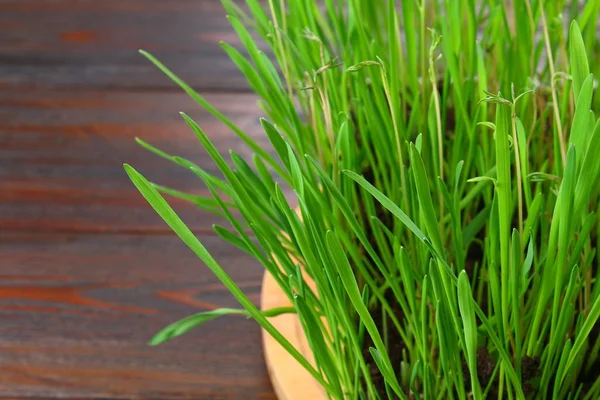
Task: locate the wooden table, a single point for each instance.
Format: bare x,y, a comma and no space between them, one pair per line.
88,272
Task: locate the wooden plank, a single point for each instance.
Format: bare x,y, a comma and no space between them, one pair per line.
76,311
89,43
61,156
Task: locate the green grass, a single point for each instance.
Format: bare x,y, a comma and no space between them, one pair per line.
444,159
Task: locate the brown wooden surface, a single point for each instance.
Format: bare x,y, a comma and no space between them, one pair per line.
62,152
87,271
90,43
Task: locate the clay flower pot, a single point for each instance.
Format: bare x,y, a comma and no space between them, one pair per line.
290,380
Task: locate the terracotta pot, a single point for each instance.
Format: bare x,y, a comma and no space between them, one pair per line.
290,380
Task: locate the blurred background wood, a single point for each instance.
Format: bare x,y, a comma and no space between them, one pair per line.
89,43
88,272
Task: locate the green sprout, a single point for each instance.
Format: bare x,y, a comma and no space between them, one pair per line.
441,239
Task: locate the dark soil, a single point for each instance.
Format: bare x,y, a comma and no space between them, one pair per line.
486,363
589,377
530,369
394,344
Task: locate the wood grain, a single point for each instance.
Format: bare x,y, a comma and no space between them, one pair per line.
61,156
89,43
75,321
88,272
